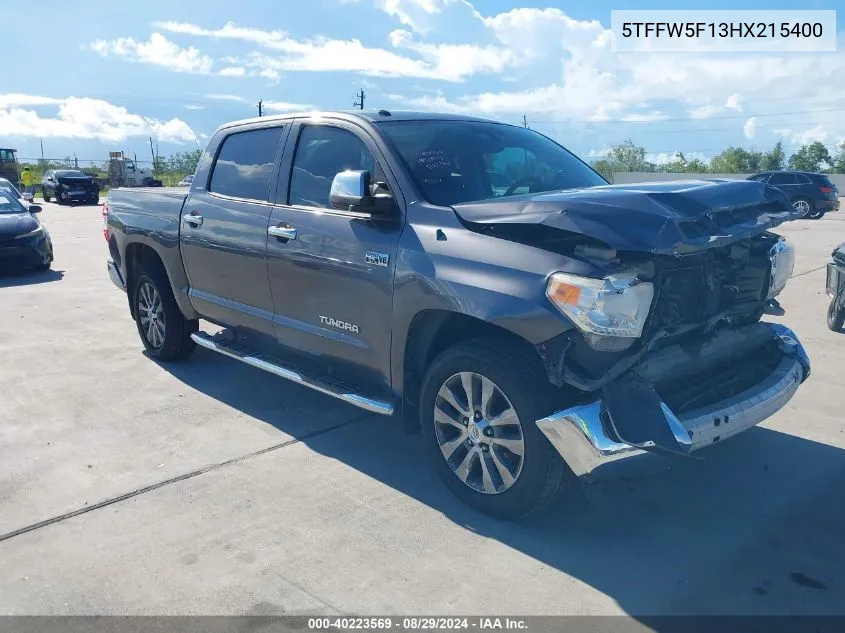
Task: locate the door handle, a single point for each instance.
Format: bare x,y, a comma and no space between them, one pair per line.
284,232
193,219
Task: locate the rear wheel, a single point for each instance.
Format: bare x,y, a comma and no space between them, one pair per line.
479,404
835,315
45,195
804,206
164,330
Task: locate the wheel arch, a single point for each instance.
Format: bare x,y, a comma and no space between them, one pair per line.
434,330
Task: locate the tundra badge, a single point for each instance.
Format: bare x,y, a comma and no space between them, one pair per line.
340,325
379,259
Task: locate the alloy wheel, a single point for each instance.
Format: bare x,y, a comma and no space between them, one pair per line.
479,433
802,206
151,314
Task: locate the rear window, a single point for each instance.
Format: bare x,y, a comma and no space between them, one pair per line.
826,182
244,165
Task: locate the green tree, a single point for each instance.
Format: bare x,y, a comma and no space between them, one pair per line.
812,157
680,165
623,157
839,160
736,160
774,158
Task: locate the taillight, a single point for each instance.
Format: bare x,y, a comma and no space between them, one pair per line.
106,220
825,189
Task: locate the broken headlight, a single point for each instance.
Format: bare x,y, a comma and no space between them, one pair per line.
617,305
782,256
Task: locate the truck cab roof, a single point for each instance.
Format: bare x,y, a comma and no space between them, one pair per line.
362,116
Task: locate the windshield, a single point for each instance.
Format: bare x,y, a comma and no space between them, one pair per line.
462,161
69,172
9,201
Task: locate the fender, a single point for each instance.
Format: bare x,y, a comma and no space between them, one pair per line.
442,265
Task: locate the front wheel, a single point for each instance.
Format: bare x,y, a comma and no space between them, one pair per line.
45,196
164,331
835,316
479,404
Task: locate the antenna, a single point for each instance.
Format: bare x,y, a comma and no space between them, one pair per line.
260,108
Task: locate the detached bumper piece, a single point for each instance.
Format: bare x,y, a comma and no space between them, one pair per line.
684,398
114,274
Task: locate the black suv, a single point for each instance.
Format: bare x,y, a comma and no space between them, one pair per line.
812,194
69,185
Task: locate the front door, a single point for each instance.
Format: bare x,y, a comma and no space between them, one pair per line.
224,231
331,272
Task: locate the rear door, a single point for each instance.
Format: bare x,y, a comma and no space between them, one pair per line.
223,229
332,282
786,182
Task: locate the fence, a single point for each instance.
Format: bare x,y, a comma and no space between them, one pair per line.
628,177
99,169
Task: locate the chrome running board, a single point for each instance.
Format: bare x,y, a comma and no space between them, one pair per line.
323,384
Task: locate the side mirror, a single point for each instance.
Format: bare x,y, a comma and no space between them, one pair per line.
34,208
351,191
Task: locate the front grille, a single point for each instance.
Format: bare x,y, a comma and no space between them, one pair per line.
732,280
834,273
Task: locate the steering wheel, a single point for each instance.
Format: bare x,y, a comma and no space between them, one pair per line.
528,180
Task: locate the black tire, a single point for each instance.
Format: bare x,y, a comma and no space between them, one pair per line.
176,343
524,384
46,266
835,316
45,196
817,215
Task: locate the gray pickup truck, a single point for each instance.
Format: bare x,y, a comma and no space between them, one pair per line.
477,281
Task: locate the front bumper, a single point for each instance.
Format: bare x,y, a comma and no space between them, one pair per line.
28,252
587,438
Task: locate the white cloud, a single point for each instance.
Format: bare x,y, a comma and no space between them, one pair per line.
286,106
449,62
158,51
226,97
750,127
803,137
78,117
17,99
193,106
233,71
709,110
417,14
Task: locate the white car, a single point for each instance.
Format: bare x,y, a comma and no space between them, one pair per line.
186,181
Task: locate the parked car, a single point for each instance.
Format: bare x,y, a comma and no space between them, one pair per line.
835,288
533,330
24,241
186,181
812,194
69,185
25,198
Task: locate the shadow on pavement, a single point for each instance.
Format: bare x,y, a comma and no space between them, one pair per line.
757,527
29,277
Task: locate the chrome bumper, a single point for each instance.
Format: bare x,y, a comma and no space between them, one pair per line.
114,274
581,437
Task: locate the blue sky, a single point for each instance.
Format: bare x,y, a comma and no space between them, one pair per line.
101,76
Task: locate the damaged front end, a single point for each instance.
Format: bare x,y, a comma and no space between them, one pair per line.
668,353
683,398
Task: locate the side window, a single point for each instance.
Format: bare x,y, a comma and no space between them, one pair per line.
760,178
244,165
782,179
803,180
321,153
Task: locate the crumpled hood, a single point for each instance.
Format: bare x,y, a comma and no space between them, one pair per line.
659,217
12,224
